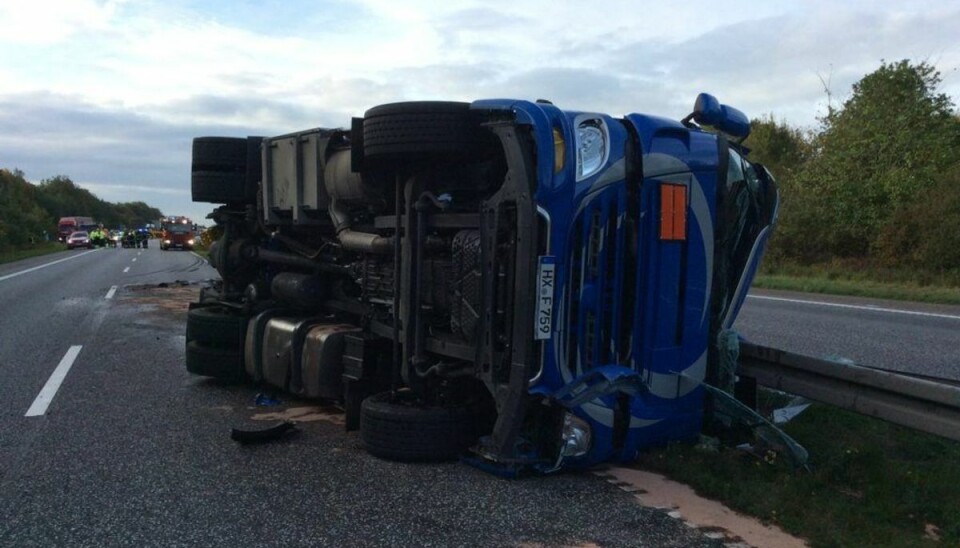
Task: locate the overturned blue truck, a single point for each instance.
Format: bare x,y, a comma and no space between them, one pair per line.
525,287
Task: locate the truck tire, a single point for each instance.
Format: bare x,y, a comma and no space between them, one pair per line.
429,130
225,170
216,327
394,427
217,363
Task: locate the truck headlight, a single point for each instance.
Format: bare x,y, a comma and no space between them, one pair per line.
166,241
189,242
576,436
593,146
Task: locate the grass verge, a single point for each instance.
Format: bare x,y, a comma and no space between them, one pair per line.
864,280
40,249
871,483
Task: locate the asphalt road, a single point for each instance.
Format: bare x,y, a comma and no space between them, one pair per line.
132,450
910,337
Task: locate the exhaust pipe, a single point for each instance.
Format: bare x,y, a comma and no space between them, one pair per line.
343,184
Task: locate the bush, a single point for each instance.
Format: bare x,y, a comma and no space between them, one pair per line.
22,220
925,233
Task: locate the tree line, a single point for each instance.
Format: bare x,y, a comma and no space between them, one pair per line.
877,183
28,212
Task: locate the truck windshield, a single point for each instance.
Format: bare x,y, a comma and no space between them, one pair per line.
178,229
741,170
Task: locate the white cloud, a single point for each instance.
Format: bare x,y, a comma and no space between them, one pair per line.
112,92
129,192
52,21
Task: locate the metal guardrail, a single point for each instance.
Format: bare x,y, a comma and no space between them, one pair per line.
910,401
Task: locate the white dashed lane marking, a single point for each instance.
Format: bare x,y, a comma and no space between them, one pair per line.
40,404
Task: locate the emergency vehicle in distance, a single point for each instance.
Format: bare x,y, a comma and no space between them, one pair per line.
177,232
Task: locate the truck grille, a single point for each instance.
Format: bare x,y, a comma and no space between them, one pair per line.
603,280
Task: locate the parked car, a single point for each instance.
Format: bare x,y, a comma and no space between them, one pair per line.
79,239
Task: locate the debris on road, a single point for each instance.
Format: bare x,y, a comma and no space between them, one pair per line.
264,400
275,432
304,414
790,411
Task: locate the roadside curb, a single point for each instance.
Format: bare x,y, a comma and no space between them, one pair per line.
717,522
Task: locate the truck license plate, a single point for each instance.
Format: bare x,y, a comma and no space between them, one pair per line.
546,282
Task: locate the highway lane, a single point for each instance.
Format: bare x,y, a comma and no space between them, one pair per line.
910,337
135,451
46,309
57,301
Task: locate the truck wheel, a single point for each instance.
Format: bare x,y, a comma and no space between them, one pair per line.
225,169
216,327
394,427
424,130
218,363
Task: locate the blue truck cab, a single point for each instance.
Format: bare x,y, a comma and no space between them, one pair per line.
525,287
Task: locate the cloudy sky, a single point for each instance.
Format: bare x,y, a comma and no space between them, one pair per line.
110,93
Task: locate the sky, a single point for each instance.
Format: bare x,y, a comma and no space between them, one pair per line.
111,92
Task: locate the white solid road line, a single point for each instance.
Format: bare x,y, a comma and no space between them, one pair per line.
39,406
857,307
125,270
51,263
113,289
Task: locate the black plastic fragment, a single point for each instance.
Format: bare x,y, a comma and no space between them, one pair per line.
275,432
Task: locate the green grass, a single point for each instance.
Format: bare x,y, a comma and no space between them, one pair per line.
202,250
864,280
870,484
35,251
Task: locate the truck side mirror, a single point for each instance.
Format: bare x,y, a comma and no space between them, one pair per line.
708,111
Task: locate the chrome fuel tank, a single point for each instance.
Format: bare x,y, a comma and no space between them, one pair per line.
321,362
